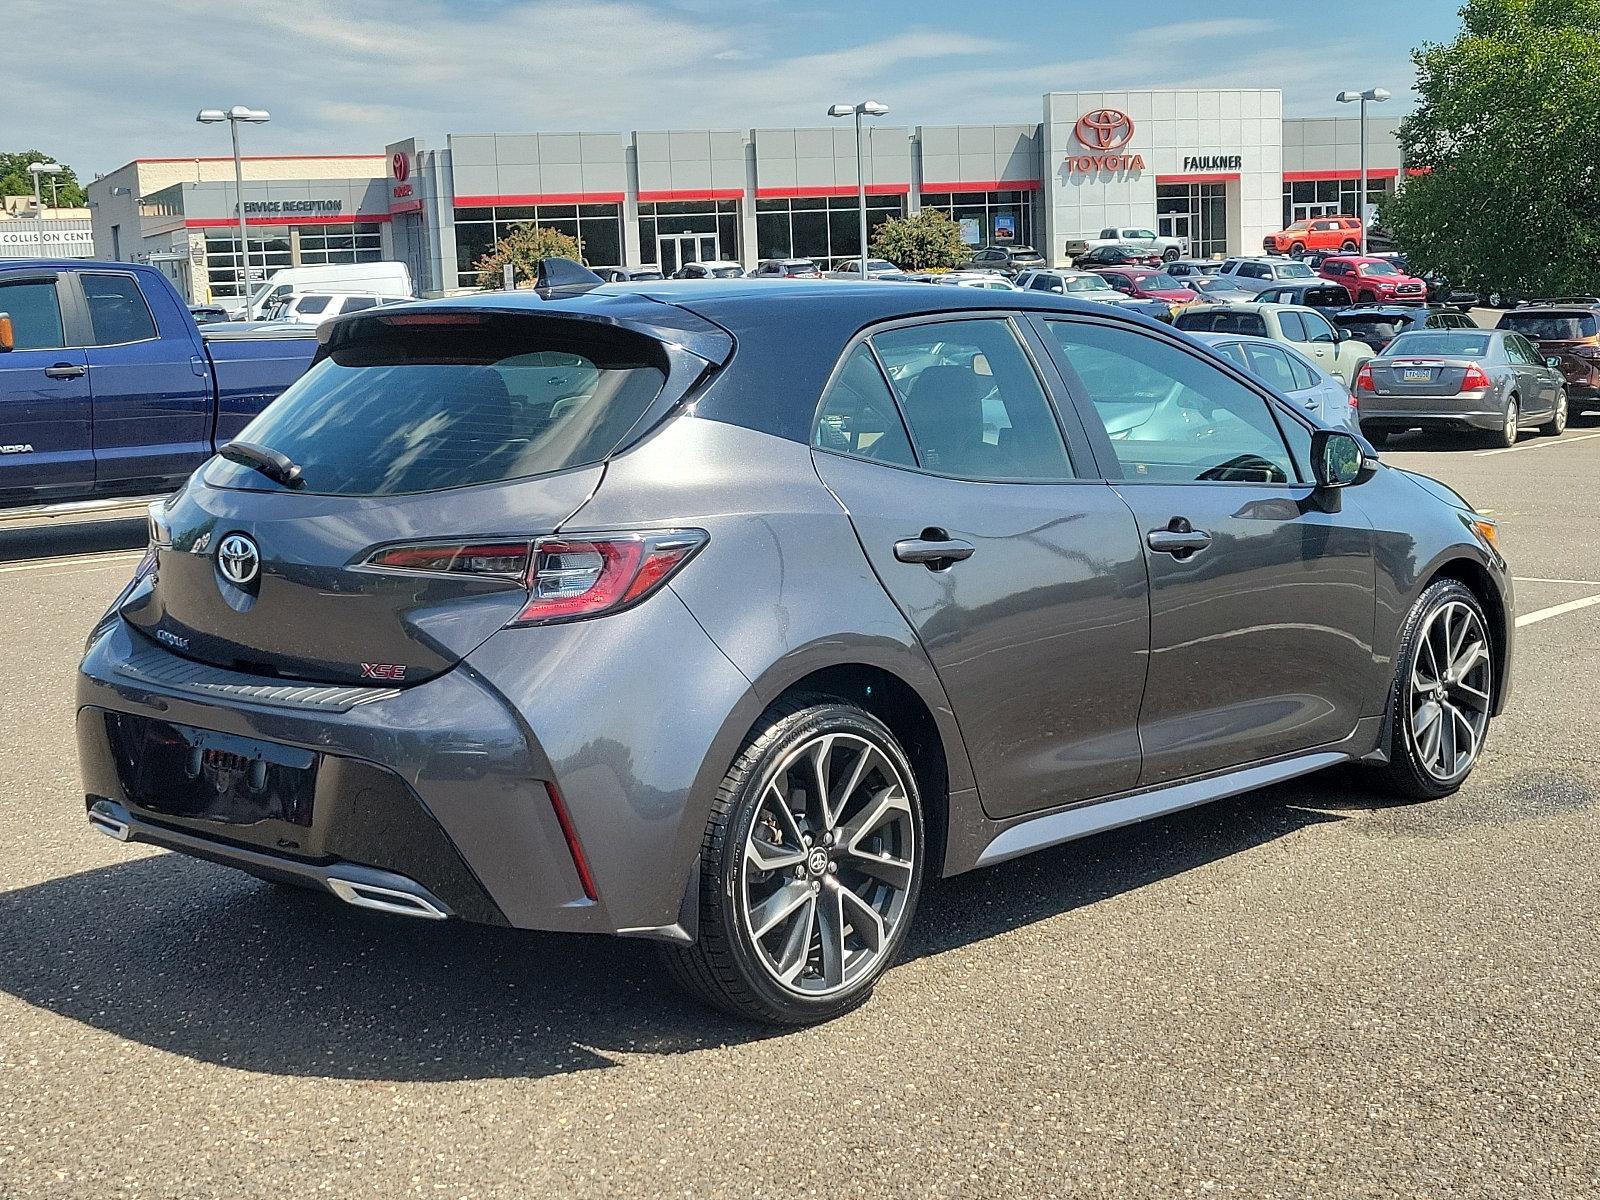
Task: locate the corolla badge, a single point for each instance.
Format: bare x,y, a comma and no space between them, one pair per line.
238,559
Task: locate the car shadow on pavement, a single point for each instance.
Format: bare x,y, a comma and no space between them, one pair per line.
205,962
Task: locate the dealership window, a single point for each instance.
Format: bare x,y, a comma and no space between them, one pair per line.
1307,198
686,223
987,218
340,243
598,228
1197,211
270,251
826,229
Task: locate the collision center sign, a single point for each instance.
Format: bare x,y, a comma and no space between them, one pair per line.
1103,132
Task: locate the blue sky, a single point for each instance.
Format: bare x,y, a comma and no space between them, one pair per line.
351,75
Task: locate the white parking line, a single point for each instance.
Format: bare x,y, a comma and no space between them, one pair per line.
1555,610
1575,582
68,565
1544,445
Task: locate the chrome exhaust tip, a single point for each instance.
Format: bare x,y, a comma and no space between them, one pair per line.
394,900
110,825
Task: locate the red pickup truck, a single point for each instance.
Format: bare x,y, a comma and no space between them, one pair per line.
1373,280
1316,233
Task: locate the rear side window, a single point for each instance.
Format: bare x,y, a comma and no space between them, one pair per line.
974,404
35,314
313,304
859,415
117,310
1271,365
403,408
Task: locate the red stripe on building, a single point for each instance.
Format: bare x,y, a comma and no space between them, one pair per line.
985,185
540,198
1313,176
800,193
1224,177
258,158
691,194
233,222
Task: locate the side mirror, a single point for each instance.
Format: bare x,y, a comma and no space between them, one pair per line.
8,335
1551,361
1341,334
1338,460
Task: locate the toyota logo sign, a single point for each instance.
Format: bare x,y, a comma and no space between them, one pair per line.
1105,129
238,559
402,168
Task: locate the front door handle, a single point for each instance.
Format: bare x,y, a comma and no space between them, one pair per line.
66,371
1179,539
934,549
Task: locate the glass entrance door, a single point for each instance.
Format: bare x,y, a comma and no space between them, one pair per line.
1307,212
1174,225
675,249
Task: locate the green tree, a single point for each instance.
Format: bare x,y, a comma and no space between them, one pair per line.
525,247
15,180
1506,140
927,241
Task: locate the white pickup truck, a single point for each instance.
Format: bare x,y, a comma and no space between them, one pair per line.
1131,238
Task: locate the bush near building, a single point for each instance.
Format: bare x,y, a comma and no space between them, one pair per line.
926,241
1505,140
525,247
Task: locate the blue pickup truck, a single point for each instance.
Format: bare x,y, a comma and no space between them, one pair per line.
109,388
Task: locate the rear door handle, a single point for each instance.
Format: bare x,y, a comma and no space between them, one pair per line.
66,371
1179,539
935,549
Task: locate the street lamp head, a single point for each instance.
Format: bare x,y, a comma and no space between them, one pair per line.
45,168
873,109
255,116
1378,94
210,116
842,110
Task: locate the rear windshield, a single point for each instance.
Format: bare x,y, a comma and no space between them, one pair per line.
1223,322
410,409
1439,343
1550,326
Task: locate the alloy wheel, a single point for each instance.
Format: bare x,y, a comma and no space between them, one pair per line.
1510,430
828,864
1451,677
1558,419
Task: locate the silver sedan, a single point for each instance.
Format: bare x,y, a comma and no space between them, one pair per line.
1491,380
1291,373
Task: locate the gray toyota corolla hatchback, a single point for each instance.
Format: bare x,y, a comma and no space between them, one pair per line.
726,614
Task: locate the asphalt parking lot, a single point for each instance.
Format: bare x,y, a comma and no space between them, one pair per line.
1305,991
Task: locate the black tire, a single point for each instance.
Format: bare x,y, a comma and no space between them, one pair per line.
727,966
1405,773
1506,435
1170,254
1557,424
1297,250
1349,247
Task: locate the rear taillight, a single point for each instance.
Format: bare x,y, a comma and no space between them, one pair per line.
1364,379
1474,379
567,579
573,578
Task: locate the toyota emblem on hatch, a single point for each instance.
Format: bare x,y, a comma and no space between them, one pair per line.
238,559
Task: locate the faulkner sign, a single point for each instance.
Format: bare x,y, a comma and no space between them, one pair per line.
1212,162
293,208
1101,131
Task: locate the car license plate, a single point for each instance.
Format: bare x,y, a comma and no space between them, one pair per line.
1416,375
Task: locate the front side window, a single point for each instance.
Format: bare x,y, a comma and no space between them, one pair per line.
1317,328
35,314
1171,416
973,401
117,311
859,415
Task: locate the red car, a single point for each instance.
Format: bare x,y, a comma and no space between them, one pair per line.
1145,283
1373,280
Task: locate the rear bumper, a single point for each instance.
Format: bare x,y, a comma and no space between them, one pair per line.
1472,411
452,784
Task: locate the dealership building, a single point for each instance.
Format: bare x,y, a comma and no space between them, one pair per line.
1221,167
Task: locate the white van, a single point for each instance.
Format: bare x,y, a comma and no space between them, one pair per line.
313,308
391,279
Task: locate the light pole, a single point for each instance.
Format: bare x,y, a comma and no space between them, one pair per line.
1378,95
37,169
233,116
867,108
